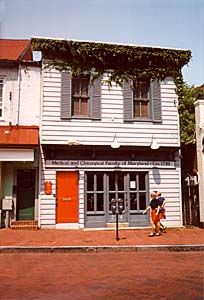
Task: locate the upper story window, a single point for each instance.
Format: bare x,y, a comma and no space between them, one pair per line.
141,98
1,97
142,101
80,98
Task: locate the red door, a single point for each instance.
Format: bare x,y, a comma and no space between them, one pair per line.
67,197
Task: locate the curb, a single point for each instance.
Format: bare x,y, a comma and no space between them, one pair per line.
69,249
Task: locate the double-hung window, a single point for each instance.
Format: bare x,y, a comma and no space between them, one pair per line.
142,101
141,98
80,98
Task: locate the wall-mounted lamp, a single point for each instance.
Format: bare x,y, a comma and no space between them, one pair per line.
115,144
154,145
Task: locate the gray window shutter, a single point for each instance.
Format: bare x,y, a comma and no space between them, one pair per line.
128,100
66,95
96,99
156,101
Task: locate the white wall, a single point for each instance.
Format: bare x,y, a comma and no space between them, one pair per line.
199,116
30,96
89,132
27,90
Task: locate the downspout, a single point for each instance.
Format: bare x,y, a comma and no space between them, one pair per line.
19,94
40,154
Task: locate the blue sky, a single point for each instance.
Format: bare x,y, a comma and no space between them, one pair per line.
163,23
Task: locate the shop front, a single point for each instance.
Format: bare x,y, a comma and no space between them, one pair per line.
19,173
84,188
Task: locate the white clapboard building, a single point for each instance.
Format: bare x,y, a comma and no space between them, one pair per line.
101,142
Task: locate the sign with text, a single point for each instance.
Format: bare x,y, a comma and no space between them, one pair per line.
108,164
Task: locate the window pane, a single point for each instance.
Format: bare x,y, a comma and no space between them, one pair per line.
76,106
122,196
90,182
99,202
111,196
144,109
145,91
99,182
120,181
133,177
137,109
90,202
84,87
133,201
75,86
142,181
142,201
84,107
112,182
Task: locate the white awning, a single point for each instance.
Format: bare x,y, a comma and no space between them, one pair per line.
16,154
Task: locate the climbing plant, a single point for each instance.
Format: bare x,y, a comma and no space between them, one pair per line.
122,62
119,61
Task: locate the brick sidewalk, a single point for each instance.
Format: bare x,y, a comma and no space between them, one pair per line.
127,237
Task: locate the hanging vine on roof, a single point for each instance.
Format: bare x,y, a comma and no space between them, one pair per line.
120,61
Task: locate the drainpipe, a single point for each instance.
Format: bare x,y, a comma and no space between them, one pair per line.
19,95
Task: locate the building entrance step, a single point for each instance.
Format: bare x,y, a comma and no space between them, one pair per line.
24,225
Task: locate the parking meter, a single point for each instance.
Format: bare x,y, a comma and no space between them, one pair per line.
120,206
117,208
113,206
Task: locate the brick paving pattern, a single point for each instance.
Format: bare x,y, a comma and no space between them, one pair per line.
59,237
102,276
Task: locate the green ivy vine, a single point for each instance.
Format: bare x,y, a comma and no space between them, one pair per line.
121,62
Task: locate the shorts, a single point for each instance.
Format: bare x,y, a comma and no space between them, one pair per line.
162,214
154,216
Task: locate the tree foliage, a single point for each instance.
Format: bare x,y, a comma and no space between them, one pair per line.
187,111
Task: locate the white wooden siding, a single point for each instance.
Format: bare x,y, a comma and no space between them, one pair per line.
89,133
167,181
81,199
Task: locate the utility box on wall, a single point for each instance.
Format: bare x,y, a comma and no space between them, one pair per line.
7,203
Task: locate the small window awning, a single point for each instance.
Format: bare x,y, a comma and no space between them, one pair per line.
19,136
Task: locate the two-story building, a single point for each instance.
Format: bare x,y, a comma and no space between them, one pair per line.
109,130
20,94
